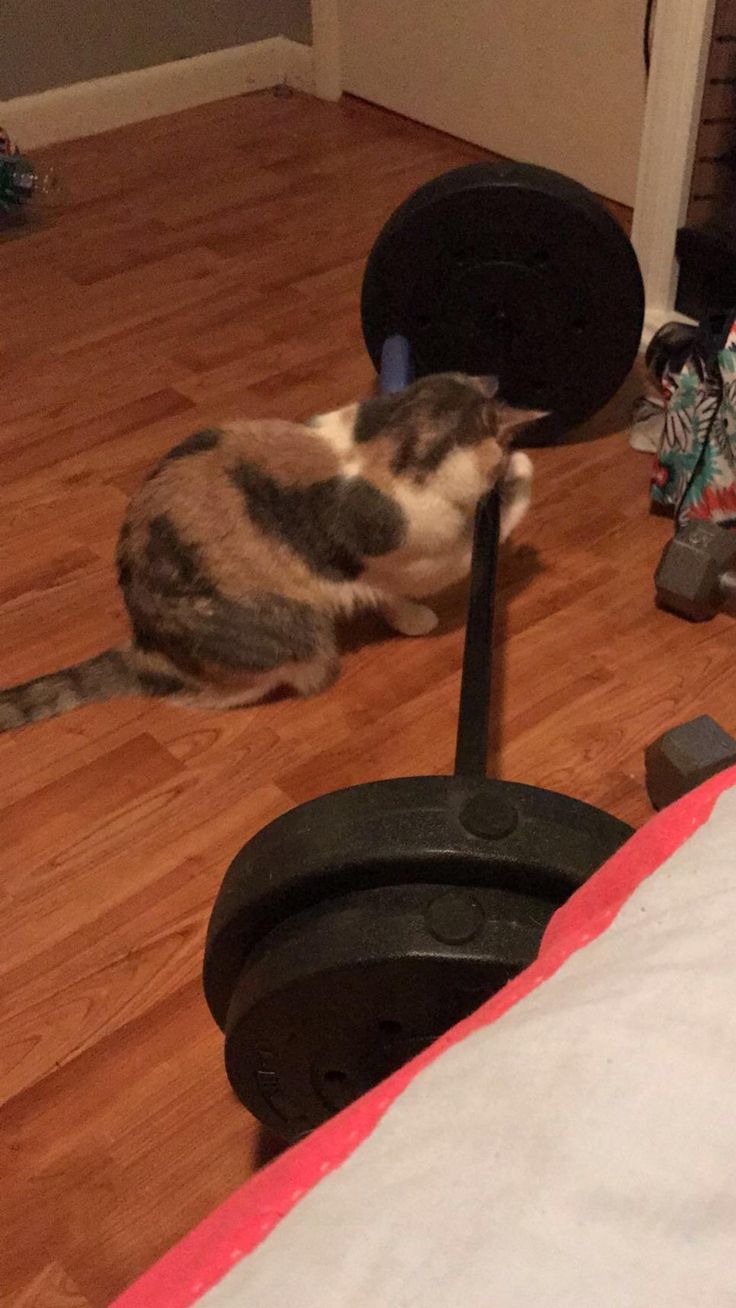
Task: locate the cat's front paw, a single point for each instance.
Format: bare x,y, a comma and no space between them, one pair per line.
520,470
410,619
516,491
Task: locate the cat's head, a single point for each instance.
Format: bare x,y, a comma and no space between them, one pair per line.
447,426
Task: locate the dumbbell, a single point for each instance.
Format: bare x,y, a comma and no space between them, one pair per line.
696,574
684,756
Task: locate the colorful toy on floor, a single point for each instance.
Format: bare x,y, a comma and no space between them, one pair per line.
20,180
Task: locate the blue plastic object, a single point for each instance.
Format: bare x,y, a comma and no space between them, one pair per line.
397,369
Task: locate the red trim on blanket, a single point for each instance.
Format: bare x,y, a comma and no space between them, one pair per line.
244,1220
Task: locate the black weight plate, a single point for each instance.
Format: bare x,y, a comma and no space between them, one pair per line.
400,832
339,996
512,270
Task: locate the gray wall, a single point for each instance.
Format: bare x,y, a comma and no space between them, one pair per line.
46,43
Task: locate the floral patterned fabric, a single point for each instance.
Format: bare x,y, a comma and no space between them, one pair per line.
695,466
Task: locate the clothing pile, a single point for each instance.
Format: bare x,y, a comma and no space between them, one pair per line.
688,419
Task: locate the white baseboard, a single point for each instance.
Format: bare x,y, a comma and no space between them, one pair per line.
299,71
674,97
86,108
326,46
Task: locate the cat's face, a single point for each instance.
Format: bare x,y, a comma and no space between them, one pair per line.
448,428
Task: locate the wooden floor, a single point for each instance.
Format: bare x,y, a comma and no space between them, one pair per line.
199,267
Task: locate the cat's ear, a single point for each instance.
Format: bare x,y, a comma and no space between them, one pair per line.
511,422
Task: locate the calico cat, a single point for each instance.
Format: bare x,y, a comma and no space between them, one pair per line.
245,544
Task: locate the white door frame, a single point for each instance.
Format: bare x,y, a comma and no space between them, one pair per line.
671,119
326,48
681,44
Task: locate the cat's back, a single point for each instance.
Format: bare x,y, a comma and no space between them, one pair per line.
234,502
290,453
219,458
208,482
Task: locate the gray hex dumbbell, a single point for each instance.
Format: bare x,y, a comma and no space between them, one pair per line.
695,576
684,756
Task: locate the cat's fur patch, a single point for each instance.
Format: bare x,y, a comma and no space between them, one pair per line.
246,543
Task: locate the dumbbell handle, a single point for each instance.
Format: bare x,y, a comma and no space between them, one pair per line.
727,588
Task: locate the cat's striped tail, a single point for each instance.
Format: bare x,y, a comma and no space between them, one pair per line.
106,676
